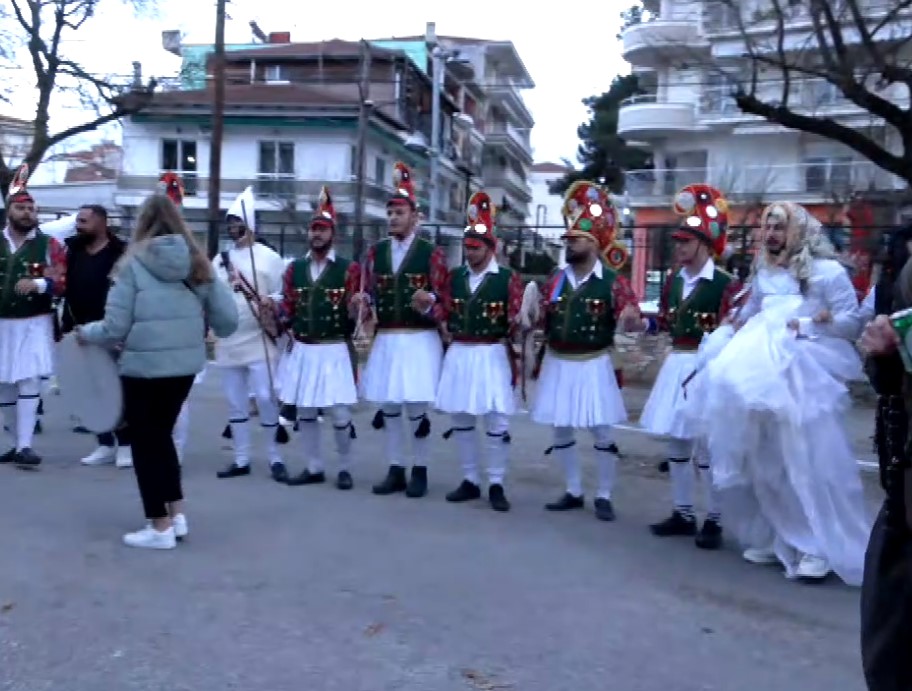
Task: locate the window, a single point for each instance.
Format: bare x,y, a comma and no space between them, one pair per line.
275,74
828,174
380,171
275,173
179,156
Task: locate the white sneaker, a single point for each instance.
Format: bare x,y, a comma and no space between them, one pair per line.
760,555
100,456
124,457
150,538
181,529
812,567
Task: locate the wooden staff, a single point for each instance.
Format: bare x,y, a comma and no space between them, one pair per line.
256,288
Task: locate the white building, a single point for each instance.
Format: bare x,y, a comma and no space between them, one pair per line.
545,210
696,132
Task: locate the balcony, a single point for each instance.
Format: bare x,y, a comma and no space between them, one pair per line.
505,92
508,179
500,134
657,43
812,181
645,117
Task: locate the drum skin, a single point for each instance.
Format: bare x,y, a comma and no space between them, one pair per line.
90,388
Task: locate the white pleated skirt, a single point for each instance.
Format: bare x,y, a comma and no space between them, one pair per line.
578,393
476,380
26,348
667,412
403,367
318,376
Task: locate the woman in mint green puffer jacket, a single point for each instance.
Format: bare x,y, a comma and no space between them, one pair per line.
163,296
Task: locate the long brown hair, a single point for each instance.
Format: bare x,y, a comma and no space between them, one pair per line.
159,216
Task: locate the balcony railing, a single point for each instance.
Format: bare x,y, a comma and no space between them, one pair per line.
500,177
502,129
829,179
720,17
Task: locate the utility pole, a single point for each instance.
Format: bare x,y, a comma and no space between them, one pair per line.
218,122
437,63
361,149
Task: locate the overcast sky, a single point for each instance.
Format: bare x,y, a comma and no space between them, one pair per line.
569,55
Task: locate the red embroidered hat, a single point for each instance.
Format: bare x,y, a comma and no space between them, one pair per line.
705,213
589,212
404,186
325,212
172,185
18,189
480,230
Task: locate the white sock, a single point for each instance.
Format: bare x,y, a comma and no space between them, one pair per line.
396,453
498,452
26,417
309,431
342,431
467,446
682,486
240,437
606,463
710,494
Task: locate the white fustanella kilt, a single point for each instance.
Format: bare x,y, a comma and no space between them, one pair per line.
26,348
318,375
667,413
577,392
403,367
476,379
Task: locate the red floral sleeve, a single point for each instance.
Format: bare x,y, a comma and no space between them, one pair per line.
440,283
514,301
289,298
622,295
546,293
352,281
728,299
57,265
662,323
366,276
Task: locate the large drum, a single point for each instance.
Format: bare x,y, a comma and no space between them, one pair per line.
89,383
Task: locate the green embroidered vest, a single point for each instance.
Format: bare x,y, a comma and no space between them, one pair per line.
321,306
394,290
28,262
689,319
582,321
482,315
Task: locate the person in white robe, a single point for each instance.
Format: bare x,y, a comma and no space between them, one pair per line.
774,400
247,359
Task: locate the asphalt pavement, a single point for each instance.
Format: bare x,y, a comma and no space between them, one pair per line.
311,588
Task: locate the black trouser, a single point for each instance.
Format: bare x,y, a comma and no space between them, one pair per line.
886,607
120,437
151,407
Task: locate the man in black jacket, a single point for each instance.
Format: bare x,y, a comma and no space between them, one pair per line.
91,256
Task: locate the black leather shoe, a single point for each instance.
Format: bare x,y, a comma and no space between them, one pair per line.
566,503
344,480
676,525
467,491
26,458
233,470
604,510
417,485
497,499
307,478
393,482
710,535
279,472
8,457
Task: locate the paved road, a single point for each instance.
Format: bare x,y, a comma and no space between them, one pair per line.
309,588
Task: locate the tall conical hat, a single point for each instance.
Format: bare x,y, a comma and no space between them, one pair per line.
325,212
481,213
244,208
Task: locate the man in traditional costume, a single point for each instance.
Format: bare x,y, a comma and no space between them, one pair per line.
249,356
694,301
320,370
405,280
780,456
34,271
479,369
582,305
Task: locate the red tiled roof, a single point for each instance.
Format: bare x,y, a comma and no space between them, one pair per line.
90,173
259,94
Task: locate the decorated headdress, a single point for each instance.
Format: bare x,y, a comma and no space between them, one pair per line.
589,212
18,190
171,184
325,213
705,213
244,208
404,186
481,213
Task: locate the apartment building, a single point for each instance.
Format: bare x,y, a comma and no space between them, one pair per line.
696,133
492,78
